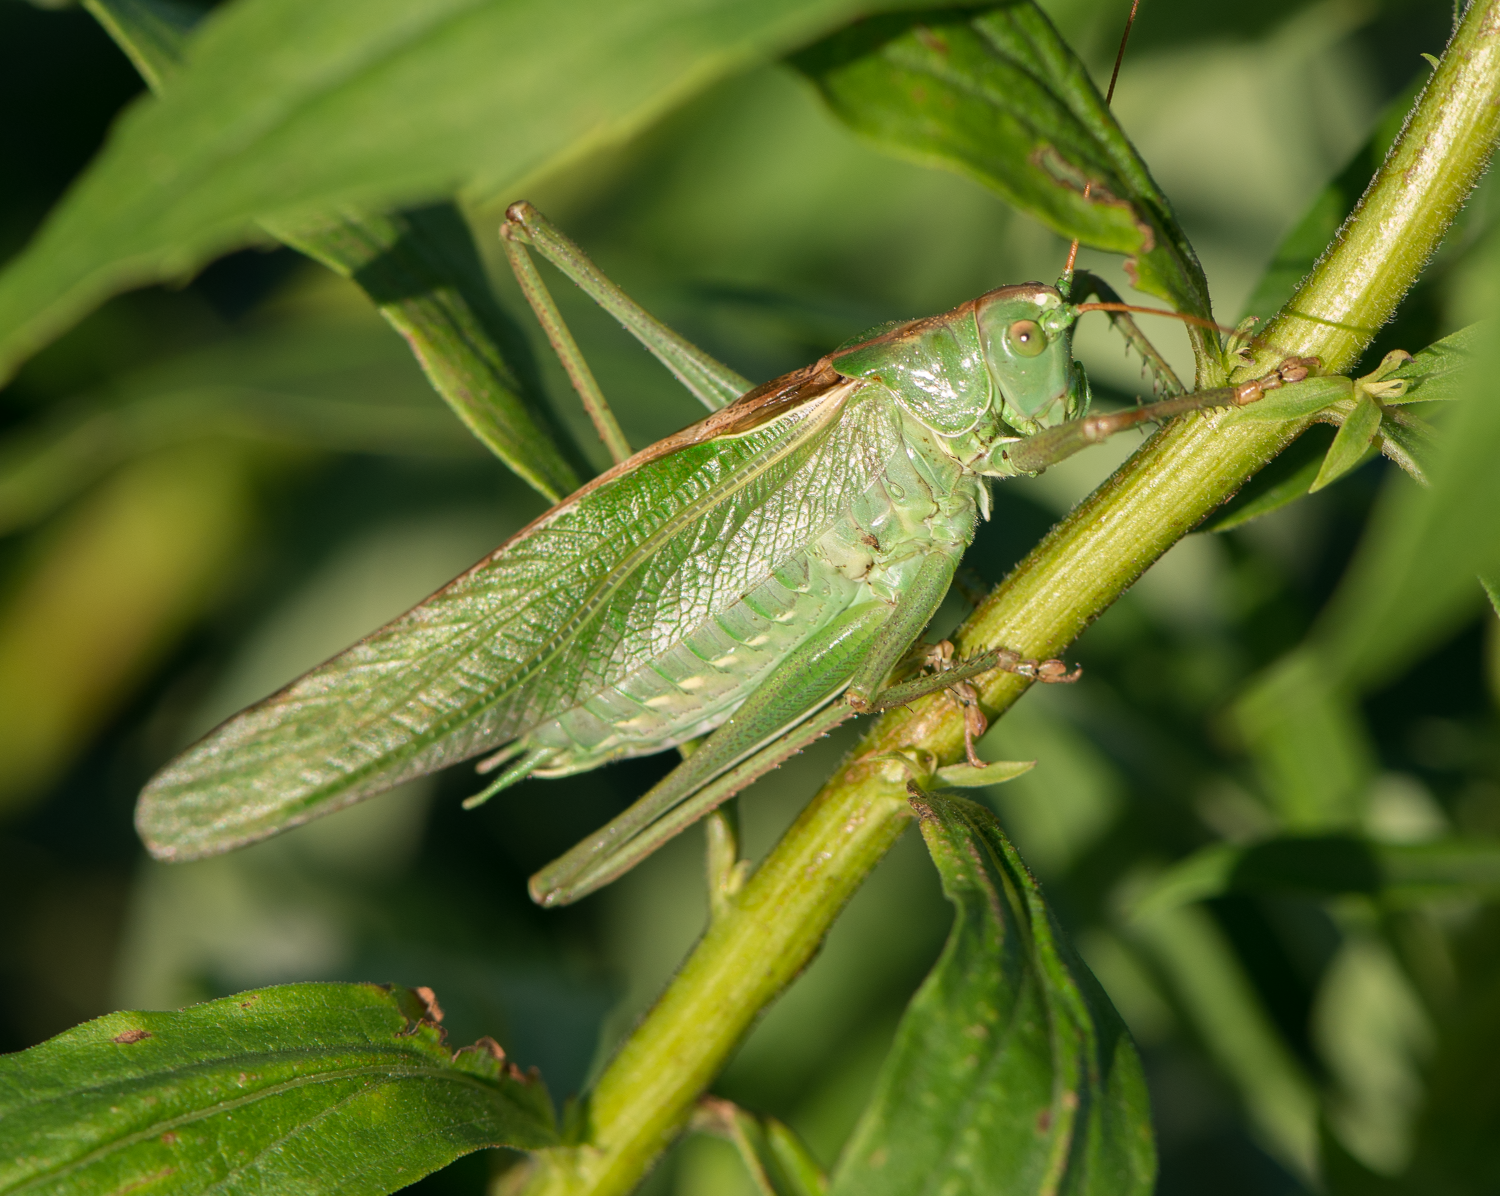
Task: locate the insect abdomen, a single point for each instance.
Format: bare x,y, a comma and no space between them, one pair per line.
697,682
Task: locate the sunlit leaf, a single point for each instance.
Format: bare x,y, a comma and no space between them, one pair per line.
316,1088
420,268
290,110
1439,372
999,96
1353,444
997,772
1011,1072
1296,401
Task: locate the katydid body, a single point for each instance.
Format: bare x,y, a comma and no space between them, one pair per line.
734,579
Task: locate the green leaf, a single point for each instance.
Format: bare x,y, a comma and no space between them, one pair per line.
1307,740
289,110
1413,576
151,32
302,1088
1330,865
1439,372
997,772
1296,401
1011,1072
1210,986
1354,444
1000,97
778,1161
420,268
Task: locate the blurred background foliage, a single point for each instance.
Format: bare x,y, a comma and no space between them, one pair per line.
205,490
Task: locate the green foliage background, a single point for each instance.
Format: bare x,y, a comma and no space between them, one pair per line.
243,474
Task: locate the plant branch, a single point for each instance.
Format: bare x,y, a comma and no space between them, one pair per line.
770,930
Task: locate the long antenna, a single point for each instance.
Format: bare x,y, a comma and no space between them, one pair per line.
1108,99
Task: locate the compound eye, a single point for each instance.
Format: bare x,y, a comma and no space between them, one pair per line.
1027,338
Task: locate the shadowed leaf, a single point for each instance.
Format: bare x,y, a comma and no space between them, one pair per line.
1000,97
778,1161
1011,1071
1329,865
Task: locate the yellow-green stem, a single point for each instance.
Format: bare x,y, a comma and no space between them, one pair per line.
771,929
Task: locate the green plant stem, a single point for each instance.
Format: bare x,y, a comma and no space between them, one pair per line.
772,928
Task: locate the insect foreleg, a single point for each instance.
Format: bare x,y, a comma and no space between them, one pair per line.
714,384
1036,453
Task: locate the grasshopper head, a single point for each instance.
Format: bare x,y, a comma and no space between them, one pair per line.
1026,335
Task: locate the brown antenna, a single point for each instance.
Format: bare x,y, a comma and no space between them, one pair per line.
1108,99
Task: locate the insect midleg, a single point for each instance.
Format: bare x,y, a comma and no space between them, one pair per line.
713,383
566,348
795,688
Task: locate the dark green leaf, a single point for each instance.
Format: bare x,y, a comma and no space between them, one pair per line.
1413,577
1011,1072
1344,1175
420,268
276,391
290,110
1354,443
303,1088
151,32
1312,751
999,96
1328,865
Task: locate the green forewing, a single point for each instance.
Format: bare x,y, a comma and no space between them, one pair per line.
1011,1072
600,585
304,1088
